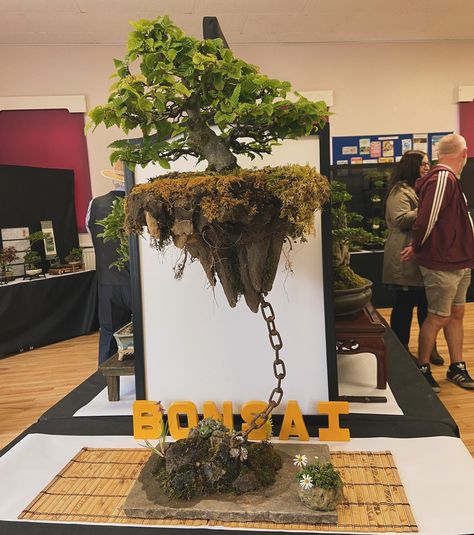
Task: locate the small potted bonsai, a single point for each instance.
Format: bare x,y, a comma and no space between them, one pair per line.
32,260
351,291
74,258
319,484
7,256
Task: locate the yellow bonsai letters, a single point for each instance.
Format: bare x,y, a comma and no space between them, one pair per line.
147,419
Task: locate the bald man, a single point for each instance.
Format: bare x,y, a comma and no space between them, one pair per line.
443,246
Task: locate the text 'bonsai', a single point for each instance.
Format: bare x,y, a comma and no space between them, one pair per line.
192,97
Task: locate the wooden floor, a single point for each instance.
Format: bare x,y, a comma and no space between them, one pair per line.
34,381
458,401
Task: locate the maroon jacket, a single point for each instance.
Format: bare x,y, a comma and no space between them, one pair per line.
443,233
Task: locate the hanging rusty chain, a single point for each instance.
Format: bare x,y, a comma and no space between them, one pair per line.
279,370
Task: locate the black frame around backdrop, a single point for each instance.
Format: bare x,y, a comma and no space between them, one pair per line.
333,394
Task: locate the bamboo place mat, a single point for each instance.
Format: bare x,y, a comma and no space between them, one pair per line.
93,487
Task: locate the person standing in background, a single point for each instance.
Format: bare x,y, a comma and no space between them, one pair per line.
115,308
443,245
405,277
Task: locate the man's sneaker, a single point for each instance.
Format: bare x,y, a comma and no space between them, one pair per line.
435,357
426,372
457,373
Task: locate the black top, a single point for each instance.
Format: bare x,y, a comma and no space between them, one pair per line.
106,253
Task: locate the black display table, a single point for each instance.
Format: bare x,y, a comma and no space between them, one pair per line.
43,311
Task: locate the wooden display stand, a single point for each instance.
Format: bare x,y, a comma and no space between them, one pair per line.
112,369
67,268
363,333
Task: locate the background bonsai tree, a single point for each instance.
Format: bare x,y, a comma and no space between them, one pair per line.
7,256
75,255
175,87
32,259
346,237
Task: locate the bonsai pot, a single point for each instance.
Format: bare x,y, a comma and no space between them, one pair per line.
320,498
6,276
33,271
124,339
352,300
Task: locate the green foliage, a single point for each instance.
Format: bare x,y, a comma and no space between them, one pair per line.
75,255
208,426
55,262
114,231
322,475
36,236
169,82
160,447
346,237
342,219
32,258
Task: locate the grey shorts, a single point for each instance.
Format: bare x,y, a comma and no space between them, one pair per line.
445,289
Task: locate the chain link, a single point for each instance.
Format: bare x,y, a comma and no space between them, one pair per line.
279,370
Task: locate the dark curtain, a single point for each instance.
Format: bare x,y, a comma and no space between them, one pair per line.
29,195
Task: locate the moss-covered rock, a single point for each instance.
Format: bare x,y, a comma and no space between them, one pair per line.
234,224
213,460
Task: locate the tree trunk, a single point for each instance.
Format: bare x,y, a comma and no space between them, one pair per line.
208,144
340,252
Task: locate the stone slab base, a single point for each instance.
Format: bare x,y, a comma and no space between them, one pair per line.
278,503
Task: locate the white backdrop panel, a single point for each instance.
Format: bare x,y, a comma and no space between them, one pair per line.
197,348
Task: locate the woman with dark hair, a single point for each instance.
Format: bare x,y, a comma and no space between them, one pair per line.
404,278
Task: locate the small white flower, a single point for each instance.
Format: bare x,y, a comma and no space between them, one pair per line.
243,454
300,460
316,458
306,481
234,452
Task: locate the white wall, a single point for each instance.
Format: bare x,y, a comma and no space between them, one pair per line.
378,88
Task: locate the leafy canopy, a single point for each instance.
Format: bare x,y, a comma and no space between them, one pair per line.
167,78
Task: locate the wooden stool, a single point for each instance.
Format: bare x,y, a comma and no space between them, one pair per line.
363,333
112,369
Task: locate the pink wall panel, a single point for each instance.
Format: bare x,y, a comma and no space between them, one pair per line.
48,138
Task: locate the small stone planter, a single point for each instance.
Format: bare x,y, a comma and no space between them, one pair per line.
319,498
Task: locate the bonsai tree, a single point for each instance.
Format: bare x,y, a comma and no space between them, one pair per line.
175,88
32,259
7,256
75,255
194,98
346,237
